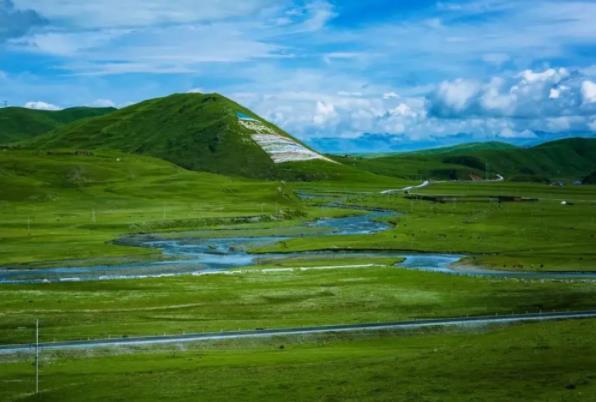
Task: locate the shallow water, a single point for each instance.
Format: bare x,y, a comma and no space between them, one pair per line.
203,256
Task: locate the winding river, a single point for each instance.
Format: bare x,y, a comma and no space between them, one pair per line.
200,256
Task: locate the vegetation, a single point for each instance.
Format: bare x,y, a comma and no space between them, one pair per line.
564,159
18,124
194,131
182,167
269,296
590,179
552,361
85,200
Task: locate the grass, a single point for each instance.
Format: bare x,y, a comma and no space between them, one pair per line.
203,134
64,207
18,124
58,206
542,235
553,361
572,158
269,299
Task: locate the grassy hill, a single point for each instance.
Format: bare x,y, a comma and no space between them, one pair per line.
572,158
195,131
17,123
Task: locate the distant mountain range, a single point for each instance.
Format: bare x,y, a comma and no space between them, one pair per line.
389,143
569,159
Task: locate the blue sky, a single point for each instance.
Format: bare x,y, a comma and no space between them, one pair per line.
418,70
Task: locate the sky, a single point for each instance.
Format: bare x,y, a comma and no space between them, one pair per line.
402,70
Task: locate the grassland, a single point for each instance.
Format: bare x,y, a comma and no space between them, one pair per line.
18,124
57,206
537,362
62,207
269,299
570,159
538,235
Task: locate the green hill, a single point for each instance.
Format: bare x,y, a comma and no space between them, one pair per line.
17,123
205,132
563,159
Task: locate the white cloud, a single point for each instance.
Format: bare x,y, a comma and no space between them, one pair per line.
324,113
549,93
554,93
494,99
548,75
40,105
403,110
457,94
589,91
507,106
103,103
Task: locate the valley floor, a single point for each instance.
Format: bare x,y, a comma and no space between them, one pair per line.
68,209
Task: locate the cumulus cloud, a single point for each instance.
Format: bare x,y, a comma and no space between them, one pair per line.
529,94
455,96
40,105
324,113
511,106
589,91
16,22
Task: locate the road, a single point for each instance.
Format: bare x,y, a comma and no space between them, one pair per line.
265,333
408,188
427,182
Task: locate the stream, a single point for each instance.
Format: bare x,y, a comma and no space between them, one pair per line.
200,256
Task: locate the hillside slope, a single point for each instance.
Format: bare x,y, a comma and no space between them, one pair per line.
572,158
205,132
17,123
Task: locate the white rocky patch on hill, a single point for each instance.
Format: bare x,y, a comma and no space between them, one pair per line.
278,147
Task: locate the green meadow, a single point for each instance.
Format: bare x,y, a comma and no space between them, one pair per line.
539,234
63,205
553,361
271,296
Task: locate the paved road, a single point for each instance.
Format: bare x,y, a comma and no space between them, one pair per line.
414,324
408,188
428,182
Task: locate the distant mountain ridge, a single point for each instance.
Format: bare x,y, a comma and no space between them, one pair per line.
379,143
18,123
572,158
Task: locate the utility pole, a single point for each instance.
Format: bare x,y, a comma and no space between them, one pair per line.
37,356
